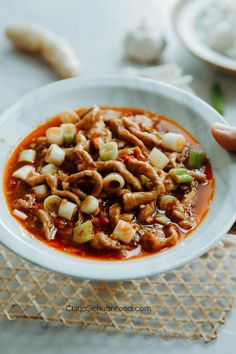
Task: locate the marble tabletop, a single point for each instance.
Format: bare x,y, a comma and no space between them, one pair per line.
97,29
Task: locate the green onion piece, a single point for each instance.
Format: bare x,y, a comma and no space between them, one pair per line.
69,131
184,179
52,203
217,98
108,151
162,219
144,180
69,138
180,175
195,159
178,171
83,233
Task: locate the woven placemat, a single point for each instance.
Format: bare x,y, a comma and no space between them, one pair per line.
191,302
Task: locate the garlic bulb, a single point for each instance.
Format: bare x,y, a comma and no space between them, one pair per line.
145,43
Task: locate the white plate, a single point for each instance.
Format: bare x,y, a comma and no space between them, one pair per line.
188,110
186,20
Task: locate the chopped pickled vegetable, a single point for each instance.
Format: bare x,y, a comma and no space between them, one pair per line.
67,209
173,142
55,155
124,232
19,214
27,155
158,159
49,168
83,233
23,172
40,191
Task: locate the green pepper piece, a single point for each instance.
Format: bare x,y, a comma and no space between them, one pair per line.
195,159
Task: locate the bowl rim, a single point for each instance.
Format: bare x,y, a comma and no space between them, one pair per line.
89,269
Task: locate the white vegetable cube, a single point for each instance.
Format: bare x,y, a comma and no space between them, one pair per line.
108,151
89,205
41,191
158,159
173,142
19,214
124,232
23,172
27,156
49,168
144,120
55,135
55,155
67,209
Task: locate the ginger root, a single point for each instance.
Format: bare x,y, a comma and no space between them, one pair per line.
53,49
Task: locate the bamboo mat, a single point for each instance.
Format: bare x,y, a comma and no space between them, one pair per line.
191,302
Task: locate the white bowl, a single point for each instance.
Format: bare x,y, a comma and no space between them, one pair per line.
189,111
186,18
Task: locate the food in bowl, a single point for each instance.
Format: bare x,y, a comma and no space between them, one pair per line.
216,27
109,183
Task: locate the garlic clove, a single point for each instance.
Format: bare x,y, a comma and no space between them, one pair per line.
145,43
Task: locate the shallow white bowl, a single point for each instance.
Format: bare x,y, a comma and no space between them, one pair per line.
186,18
188,110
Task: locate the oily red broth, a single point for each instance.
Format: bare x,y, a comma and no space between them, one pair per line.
63,241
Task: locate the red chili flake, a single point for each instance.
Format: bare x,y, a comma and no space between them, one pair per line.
54,243
124,158
92,165
95,229
12,183
153,221
208,170
59,224
104,222
138,154
100,205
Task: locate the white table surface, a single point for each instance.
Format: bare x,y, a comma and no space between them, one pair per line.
96,28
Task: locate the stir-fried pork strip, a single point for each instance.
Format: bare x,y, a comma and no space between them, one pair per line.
47,224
